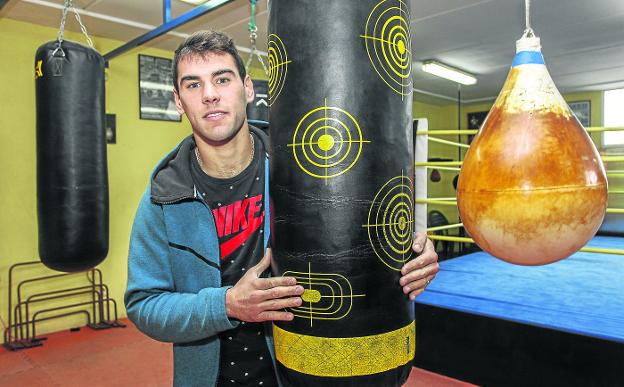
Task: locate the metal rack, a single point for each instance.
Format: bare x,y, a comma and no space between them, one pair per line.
28,310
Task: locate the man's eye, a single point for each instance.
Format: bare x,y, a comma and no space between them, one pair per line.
192,85
221,81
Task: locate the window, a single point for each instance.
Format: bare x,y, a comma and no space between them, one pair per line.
614,116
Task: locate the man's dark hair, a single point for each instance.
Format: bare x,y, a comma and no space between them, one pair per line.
205,42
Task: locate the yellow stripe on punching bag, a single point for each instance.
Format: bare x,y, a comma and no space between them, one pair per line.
345,356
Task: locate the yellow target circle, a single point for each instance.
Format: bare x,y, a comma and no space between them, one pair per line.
326,145
327,142
389,43
391,222
278,67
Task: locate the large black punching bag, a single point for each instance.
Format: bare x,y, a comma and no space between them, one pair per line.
72,182
342,189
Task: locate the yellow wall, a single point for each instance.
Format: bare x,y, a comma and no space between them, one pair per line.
140,144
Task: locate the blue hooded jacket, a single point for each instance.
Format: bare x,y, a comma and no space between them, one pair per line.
174,291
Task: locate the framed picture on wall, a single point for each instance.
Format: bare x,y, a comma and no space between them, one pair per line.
156,89
475,120
582,110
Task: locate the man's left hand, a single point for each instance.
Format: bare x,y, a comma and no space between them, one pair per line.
417,273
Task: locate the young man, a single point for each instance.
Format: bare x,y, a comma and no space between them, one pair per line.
198,244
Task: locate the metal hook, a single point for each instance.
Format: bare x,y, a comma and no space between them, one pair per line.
58,48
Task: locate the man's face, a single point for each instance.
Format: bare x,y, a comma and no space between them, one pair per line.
213,96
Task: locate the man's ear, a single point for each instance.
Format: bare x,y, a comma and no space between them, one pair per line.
249,89
178,102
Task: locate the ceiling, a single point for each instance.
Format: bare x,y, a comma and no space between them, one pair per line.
583,41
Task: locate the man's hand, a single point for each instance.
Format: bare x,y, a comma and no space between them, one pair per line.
256,299
421,270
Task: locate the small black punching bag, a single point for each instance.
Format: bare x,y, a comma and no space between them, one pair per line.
258,109
342,188
72,182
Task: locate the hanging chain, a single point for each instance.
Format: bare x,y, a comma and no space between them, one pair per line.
528,31
253,35
59,35
82,27
67,4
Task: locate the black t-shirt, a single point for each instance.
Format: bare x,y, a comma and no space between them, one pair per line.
237,205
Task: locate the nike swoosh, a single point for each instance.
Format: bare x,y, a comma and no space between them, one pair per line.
228,247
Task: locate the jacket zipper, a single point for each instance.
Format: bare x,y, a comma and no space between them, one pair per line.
198,197
214,224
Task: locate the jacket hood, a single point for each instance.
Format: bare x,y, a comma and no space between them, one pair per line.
172,180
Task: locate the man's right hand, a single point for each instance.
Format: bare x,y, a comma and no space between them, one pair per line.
256,299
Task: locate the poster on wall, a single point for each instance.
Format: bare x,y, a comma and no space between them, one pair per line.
582,111
156,89
475,120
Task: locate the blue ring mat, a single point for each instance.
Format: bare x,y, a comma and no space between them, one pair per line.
582,294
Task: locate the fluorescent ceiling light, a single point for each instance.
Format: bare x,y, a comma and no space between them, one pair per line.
194,2
448,72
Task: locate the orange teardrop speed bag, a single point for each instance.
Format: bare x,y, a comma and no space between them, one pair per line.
532,189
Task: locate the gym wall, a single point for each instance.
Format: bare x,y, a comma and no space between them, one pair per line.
140,145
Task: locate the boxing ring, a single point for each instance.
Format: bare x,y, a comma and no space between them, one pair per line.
489,322
583,294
